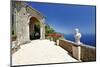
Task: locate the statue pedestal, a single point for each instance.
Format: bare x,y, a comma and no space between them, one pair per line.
77,52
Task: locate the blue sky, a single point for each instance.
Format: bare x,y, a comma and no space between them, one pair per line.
65,18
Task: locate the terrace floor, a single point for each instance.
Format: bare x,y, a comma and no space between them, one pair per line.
41,52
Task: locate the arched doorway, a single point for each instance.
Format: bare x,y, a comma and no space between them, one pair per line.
34,28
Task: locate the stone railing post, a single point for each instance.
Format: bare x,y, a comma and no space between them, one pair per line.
77,52
77,48
57,42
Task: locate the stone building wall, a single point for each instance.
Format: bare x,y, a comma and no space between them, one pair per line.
22,14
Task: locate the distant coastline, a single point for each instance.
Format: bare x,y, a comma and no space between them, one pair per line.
88,39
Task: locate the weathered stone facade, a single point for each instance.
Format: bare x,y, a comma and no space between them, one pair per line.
22,14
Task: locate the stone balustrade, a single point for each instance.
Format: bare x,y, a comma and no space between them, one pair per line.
80,52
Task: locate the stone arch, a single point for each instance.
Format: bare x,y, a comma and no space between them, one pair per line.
34,28
39,17
22,18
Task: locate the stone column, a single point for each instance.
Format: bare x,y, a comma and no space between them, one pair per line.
15,20
42,29
26,34
27,27
14,26
18,28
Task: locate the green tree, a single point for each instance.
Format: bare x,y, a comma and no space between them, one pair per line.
49,30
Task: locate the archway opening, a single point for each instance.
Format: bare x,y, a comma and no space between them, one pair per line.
34,28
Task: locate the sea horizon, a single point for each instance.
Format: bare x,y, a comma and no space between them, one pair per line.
88,39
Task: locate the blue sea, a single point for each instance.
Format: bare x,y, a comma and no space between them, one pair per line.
86,39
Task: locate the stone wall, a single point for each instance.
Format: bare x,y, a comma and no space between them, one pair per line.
66,45
87,53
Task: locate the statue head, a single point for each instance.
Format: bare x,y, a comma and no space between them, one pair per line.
76,30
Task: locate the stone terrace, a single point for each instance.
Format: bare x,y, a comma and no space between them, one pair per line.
41,52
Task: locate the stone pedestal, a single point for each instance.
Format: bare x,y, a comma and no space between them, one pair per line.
77,52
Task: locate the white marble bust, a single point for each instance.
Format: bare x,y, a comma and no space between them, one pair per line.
77,36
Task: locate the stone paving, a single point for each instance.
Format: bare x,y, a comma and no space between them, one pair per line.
41,52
